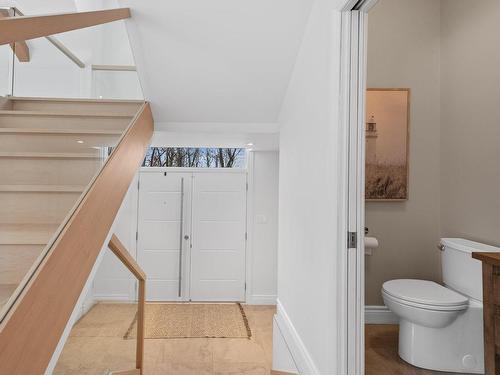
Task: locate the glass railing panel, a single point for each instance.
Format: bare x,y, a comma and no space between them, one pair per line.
50,154
49,73
6,61
69,65
114,82
47,163
103,339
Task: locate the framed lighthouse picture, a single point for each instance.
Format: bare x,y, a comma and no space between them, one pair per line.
386,152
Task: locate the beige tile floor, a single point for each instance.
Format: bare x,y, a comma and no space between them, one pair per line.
97,348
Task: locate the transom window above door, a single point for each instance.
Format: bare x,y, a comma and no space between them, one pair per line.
195,157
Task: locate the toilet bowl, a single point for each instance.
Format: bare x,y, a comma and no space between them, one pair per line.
423,302
441,327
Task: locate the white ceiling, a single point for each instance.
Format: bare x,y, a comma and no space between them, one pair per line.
216,61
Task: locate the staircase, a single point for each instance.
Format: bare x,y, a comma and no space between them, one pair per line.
51,150
66,165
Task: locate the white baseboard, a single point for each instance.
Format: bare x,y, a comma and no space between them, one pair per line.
124,298
380,315
282,358
298,350
258,299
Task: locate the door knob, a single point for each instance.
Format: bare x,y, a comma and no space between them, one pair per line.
186,237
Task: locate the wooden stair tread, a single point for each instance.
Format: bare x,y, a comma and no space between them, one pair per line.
49,155
22,113
43,188
59,131
273,372
74,100
84,106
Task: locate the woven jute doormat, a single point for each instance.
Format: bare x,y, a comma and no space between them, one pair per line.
193,320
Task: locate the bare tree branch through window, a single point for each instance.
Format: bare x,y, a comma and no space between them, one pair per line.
192,157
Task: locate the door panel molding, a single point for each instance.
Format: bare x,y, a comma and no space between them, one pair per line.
211,216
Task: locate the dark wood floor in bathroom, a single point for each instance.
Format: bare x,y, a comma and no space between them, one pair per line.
381,355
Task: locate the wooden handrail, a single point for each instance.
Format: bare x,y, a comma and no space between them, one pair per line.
19,48
31,331
56,43
16,29
121,253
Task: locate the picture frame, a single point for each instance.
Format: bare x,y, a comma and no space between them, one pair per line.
387,136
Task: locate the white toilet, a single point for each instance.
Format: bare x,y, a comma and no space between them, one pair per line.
441,327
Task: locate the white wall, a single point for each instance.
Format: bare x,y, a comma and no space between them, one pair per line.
308,201
113,281
263,227
409,58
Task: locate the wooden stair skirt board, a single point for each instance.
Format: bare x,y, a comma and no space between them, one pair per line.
281,373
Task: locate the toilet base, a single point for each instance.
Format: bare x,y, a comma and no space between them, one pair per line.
457,347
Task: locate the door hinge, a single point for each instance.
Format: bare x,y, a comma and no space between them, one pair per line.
136,235
352,240
247,186
246,236
138,184
245,287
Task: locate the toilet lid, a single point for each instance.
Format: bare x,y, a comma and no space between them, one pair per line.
423,292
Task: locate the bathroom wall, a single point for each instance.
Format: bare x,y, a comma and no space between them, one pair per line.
404,52
470,119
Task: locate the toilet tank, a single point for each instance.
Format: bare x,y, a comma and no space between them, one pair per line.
460,271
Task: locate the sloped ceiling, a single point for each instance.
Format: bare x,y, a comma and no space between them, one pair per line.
216,61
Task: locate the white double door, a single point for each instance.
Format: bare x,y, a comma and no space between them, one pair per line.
192,234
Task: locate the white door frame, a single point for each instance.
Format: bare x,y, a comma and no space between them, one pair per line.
352,147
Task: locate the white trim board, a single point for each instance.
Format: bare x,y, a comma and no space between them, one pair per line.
256,299
380,315
298,350
282,358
